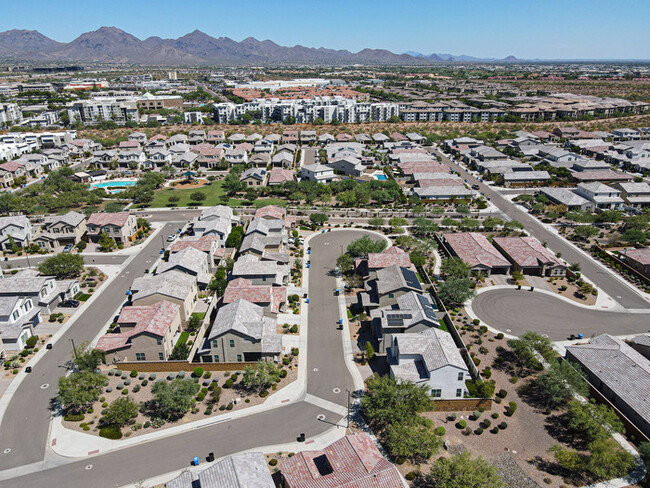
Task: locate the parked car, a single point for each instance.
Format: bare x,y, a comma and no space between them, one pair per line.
69,304
171,237
475,186
68,248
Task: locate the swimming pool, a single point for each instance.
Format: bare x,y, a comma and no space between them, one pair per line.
381,177
113,186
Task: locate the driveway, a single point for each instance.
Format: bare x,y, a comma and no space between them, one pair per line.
515,312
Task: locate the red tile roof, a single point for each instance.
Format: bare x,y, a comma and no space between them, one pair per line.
260,295
422,167
355,462
104,218
272,211
154,319
11,166
279,175
527,251
475,249
642,256
390,257
203,243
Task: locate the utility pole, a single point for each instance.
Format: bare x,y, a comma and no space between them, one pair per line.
74,348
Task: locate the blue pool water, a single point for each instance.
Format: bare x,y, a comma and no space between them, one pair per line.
112,184
381,177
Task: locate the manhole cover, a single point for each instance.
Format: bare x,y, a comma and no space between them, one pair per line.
88,467
45,386
321,417
315,369
7,451
336,390
508,330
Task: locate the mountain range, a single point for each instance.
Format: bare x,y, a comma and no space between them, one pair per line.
113,45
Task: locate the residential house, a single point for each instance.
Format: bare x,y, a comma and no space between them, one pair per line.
282,159
254,177
121,226
619,373
236,156
264,234
217,221
634,194
261,272
18,316
260,160
349,166
351,462
563,196
241,333
475,250
144,333
44,291
413,312
386,285
242,470
190,261
529,256
317,172
60,230
176,287
431,359
15,230
279,176
602,196
209,244
272,298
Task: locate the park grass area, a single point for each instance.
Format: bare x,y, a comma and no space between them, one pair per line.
214,195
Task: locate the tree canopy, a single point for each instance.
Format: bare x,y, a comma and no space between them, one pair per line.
456,291
62,265
363,246
79,390
458,471
171,400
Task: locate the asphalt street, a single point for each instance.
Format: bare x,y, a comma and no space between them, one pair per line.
328,376
619,291
25,423
24,427
517,311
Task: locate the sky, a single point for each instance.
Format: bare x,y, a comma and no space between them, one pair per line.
541,29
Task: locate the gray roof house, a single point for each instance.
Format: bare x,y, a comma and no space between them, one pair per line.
620,373
243,470
59,230
17,317
262,235
317,172
429,358
241,333
413,312
176,287
45,291
17,228
191,261
348,165
261,272
386,285
564,196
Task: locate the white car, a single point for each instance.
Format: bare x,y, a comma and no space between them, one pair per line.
171,237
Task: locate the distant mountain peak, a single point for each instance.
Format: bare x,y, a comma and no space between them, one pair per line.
111,44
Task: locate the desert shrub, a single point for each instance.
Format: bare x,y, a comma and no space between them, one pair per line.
229,406
74,417
478,431
147,424
145,382
502,393
411,475
440,431
110,432
503,426
198,372
133,374
283,373
273,462
461,424
136,389
228,383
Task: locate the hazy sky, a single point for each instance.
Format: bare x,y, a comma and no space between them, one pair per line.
549,29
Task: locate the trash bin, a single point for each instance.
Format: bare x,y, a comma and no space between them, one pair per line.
28,369
308,300
48,346
195,461
579,336
340,321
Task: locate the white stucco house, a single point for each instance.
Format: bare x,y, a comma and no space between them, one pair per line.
429,358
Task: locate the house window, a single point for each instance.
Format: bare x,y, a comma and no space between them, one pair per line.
140,356
459,392
158,341
239,359
216,358
436,393
232,342
391,295
161,356
215,343
15,315
460,376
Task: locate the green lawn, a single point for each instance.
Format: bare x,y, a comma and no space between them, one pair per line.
82,297
183,338
443,326
200,315
213,193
